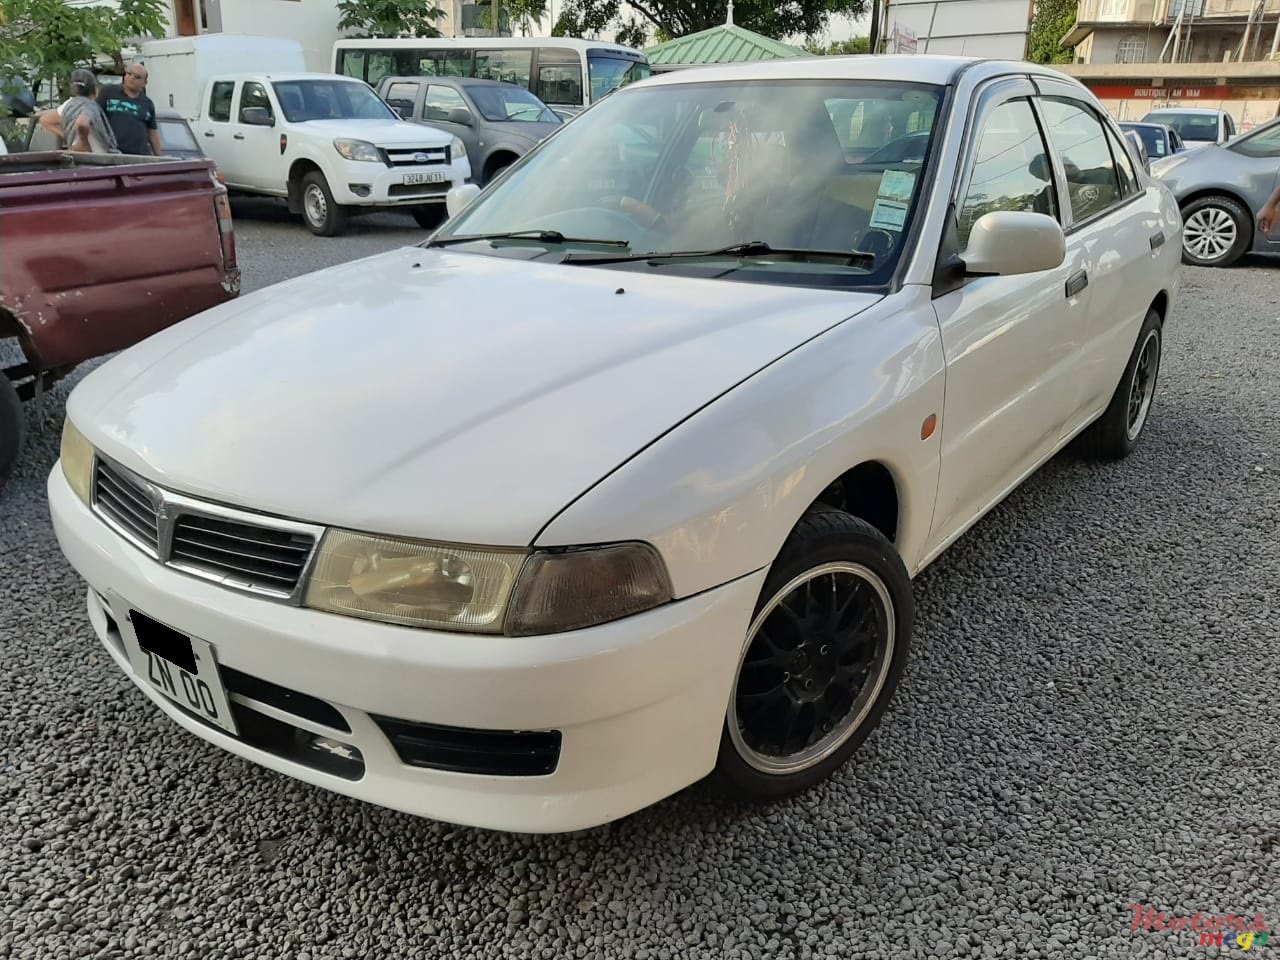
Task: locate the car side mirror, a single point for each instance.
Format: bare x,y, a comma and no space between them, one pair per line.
459,197
257,117
1139,148
1009,242
460,115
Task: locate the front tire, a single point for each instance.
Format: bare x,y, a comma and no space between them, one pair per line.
1115,434
827,646
323,216
12,428
1216,232
430,215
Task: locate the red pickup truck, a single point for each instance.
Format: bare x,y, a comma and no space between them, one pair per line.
97,253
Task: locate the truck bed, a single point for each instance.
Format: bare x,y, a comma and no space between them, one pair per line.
103,251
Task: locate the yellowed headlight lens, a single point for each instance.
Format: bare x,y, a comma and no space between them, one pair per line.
414,583
77,460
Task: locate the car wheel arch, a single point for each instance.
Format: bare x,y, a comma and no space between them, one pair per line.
297,170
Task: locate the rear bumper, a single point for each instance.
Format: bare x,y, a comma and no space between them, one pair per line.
635,708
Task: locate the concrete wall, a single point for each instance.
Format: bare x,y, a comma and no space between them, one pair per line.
1208,43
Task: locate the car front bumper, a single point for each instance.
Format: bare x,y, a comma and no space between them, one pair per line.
372,184
638,704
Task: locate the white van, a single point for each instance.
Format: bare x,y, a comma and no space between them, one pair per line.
326,144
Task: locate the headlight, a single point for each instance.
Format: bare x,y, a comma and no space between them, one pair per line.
358,150
77,460
414,583
480,590
457,149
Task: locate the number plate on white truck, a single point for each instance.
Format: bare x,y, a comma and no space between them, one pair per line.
435,177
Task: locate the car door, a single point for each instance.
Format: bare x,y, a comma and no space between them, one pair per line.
216,135
437,107
256,147
1009,341
1115,220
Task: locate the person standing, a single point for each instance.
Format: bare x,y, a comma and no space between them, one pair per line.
131,113
79,123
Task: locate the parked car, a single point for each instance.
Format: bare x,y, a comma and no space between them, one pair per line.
1220,190
99,253
1158,139
324,143
1197,126
652,513
499,122
177,139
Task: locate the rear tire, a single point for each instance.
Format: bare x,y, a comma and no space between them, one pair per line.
320,213
13,425
1115,434
827,646
1216,232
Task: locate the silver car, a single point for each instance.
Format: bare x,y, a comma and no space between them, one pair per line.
498,122
1220,190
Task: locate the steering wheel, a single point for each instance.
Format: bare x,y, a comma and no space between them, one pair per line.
637,211
909,147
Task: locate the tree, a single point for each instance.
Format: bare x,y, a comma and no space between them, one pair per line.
47,39
1050,22
389,18
676,18
840,47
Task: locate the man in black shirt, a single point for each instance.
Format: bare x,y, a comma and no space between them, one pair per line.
131,113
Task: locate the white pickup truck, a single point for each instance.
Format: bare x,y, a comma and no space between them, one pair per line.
329,145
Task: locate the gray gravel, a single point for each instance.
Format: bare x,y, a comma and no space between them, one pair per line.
1089,721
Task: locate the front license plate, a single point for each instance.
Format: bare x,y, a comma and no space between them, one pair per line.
436,177
181,667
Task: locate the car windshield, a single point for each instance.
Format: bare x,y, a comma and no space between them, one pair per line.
510,103
175,135
808,166
1152,138
609,73
1190,126
303,100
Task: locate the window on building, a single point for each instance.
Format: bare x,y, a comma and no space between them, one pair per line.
1132,49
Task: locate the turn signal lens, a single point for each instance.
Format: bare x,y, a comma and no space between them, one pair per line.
76,456
585,587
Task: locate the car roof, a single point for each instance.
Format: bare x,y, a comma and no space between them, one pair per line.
919,68
1199,111
453,81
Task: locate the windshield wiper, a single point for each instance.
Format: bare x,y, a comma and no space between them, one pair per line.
542,236
750,248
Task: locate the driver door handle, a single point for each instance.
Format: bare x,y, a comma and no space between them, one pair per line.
1077,282
238,136
208,133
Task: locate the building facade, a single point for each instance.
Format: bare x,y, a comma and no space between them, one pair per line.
1137,55
970,28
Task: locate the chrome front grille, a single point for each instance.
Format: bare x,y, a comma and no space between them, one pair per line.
243,555
128,504
416,156
264,556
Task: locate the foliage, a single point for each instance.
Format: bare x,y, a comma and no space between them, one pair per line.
1050,22
668,19
389,18
523,12
840,47
47,39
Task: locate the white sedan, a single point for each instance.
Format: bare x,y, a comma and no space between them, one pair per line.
621,479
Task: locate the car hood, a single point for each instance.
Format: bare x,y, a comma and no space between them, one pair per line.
381,132
436,394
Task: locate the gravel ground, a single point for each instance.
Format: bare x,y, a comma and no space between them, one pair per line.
1089,721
